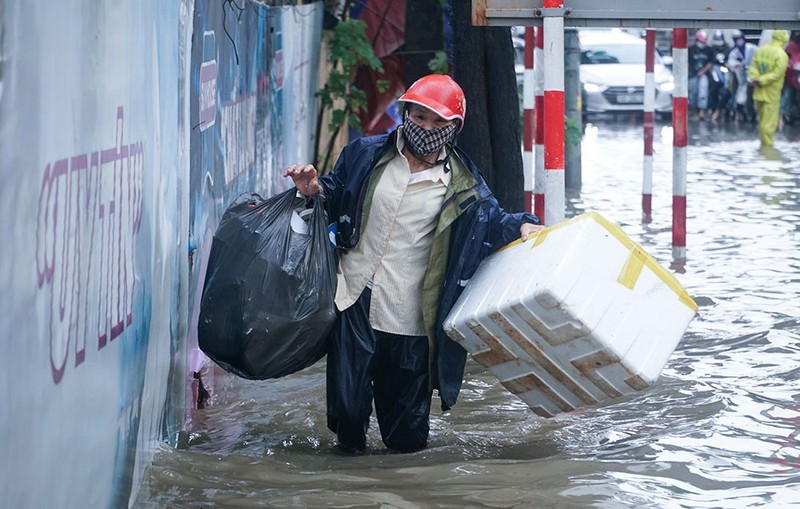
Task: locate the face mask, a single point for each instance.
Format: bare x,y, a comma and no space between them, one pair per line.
701,45
424,142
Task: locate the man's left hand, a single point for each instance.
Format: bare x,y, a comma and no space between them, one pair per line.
528,229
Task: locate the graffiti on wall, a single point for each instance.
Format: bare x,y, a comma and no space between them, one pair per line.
238,126
207,95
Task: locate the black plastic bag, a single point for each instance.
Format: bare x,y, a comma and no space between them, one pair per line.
267,304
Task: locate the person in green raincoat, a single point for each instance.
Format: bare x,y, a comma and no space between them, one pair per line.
767,73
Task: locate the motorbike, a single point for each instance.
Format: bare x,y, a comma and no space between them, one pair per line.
719,95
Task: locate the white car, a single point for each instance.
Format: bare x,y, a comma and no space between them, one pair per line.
613,72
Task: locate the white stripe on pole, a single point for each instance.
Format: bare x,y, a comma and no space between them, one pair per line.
680,160
647,186
649,92
528,85
538,182
555,203
680,67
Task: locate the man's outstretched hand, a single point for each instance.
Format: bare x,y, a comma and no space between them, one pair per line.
305,178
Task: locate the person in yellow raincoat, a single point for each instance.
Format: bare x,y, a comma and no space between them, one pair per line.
767,73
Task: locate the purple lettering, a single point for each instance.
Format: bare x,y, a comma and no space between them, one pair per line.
90,209
78,175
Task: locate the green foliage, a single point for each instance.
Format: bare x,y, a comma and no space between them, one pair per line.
438,64
572,133
350,49
350,46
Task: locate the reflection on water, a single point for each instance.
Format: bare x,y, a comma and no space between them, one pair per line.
720,429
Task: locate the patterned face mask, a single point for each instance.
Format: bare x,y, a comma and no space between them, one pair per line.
424,142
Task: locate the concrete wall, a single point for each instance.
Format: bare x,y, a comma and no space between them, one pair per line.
125,130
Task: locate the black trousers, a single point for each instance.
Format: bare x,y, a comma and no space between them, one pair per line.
364,364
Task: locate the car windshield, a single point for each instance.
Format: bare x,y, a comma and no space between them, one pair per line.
613,54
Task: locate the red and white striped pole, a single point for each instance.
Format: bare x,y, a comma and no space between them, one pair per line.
554,114
538,78
649,121
528,118
680,110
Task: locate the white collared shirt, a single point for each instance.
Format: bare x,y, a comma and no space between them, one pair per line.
395,245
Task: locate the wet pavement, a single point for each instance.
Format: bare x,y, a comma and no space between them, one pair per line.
719,429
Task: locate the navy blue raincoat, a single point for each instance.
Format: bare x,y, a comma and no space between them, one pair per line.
480,228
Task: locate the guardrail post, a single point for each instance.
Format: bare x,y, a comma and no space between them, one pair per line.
554,115
680,108
649,121
528,118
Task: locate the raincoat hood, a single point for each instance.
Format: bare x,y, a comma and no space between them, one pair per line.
780,36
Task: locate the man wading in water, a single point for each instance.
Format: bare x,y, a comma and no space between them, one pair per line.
415,218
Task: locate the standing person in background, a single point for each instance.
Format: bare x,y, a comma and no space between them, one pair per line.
701,58
415,218
738,62
767,73
718,93
718,43
790,100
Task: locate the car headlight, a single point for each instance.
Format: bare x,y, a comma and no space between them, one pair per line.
594,88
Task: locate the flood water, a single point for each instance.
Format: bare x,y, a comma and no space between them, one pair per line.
720,429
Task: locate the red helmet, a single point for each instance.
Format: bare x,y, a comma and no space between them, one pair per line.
440,94
702,36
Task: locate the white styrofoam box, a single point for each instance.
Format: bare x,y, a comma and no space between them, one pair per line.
576,315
